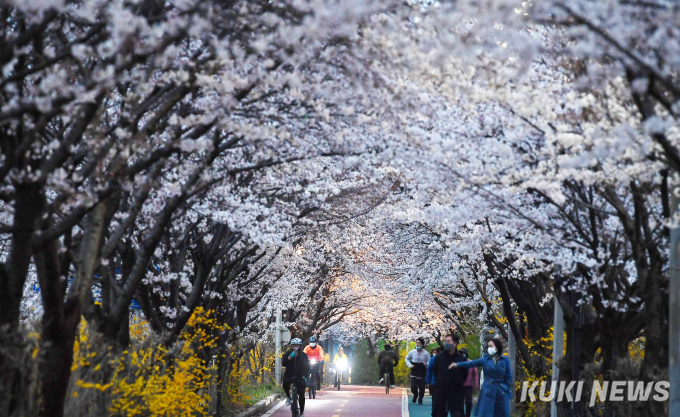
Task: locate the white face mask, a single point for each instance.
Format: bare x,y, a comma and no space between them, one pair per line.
492,351
312,344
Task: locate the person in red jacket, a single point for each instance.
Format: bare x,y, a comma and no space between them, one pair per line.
472,380
316,358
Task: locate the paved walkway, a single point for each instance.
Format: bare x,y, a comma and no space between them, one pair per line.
417,410
350,401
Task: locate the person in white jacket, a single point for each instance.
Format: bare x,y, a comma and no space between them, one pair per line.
417,360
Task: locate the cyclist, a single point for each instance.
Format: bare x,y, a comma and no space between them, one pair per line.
315,352
387,360
339,361
297,369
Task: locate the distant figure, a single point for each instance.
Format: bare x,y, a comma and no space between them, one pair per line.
494,398
387,360
430,380
417,360
339,363
472,380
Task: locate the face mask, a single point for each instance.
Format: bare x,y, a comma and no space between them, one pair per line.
449,346
296,347
419,347
312,344
492,351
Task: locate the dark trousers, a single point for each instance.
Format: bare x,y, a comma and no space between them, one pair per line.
315,369
468,400
389,370
449,401
418,388
433,393
300,385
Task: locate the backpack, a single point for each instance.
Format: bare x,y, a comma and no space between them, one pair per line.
387,358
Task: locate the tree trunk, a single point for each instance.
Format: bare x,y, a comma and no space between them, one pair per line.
27,210
57,339
61,319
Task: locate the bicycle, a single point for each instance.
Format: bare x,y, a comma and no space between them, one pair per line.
312,380
294,402
387,382
338,378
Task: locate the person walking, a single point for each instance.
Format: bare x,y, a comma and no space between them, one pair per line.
387,360
449,392
430,380
472,380
417,360
497,389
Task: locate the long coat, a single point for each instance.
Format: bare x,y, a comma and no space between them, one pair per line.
494,398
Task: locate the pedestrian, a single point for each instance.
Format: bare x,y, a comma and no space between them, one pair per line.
417,360
430,380
449,393
497,389
472,380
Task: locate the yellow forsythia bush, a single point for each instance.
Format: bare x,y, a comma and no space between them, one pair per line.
148,379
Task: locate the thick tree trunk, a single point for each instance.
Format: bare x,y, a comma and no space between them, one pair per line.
27,209
61,319
655,364
57,339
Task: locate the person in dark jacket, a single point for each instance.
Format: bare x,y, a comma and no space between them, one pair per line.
471,382
387,360
449,392
297,369
430,380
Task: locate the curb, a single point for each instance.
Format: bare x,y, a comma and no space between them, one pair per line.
404,403
260,406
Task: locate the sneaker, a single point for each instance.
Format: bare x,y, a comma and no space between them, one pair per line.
414,400
420,402
287,401
381,380
393,386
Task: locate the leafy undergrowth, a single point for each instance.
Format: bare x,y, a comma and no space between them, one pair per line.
251,393
260,392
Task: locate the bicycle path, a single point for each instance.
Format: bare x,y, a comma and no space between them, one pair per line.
350,401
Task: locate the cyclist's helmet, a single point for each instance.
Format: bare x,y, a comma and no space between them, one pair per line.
296,341
340,349
312,339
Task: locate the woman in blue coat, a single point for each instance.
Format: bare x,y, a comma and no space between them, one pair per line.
494,398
